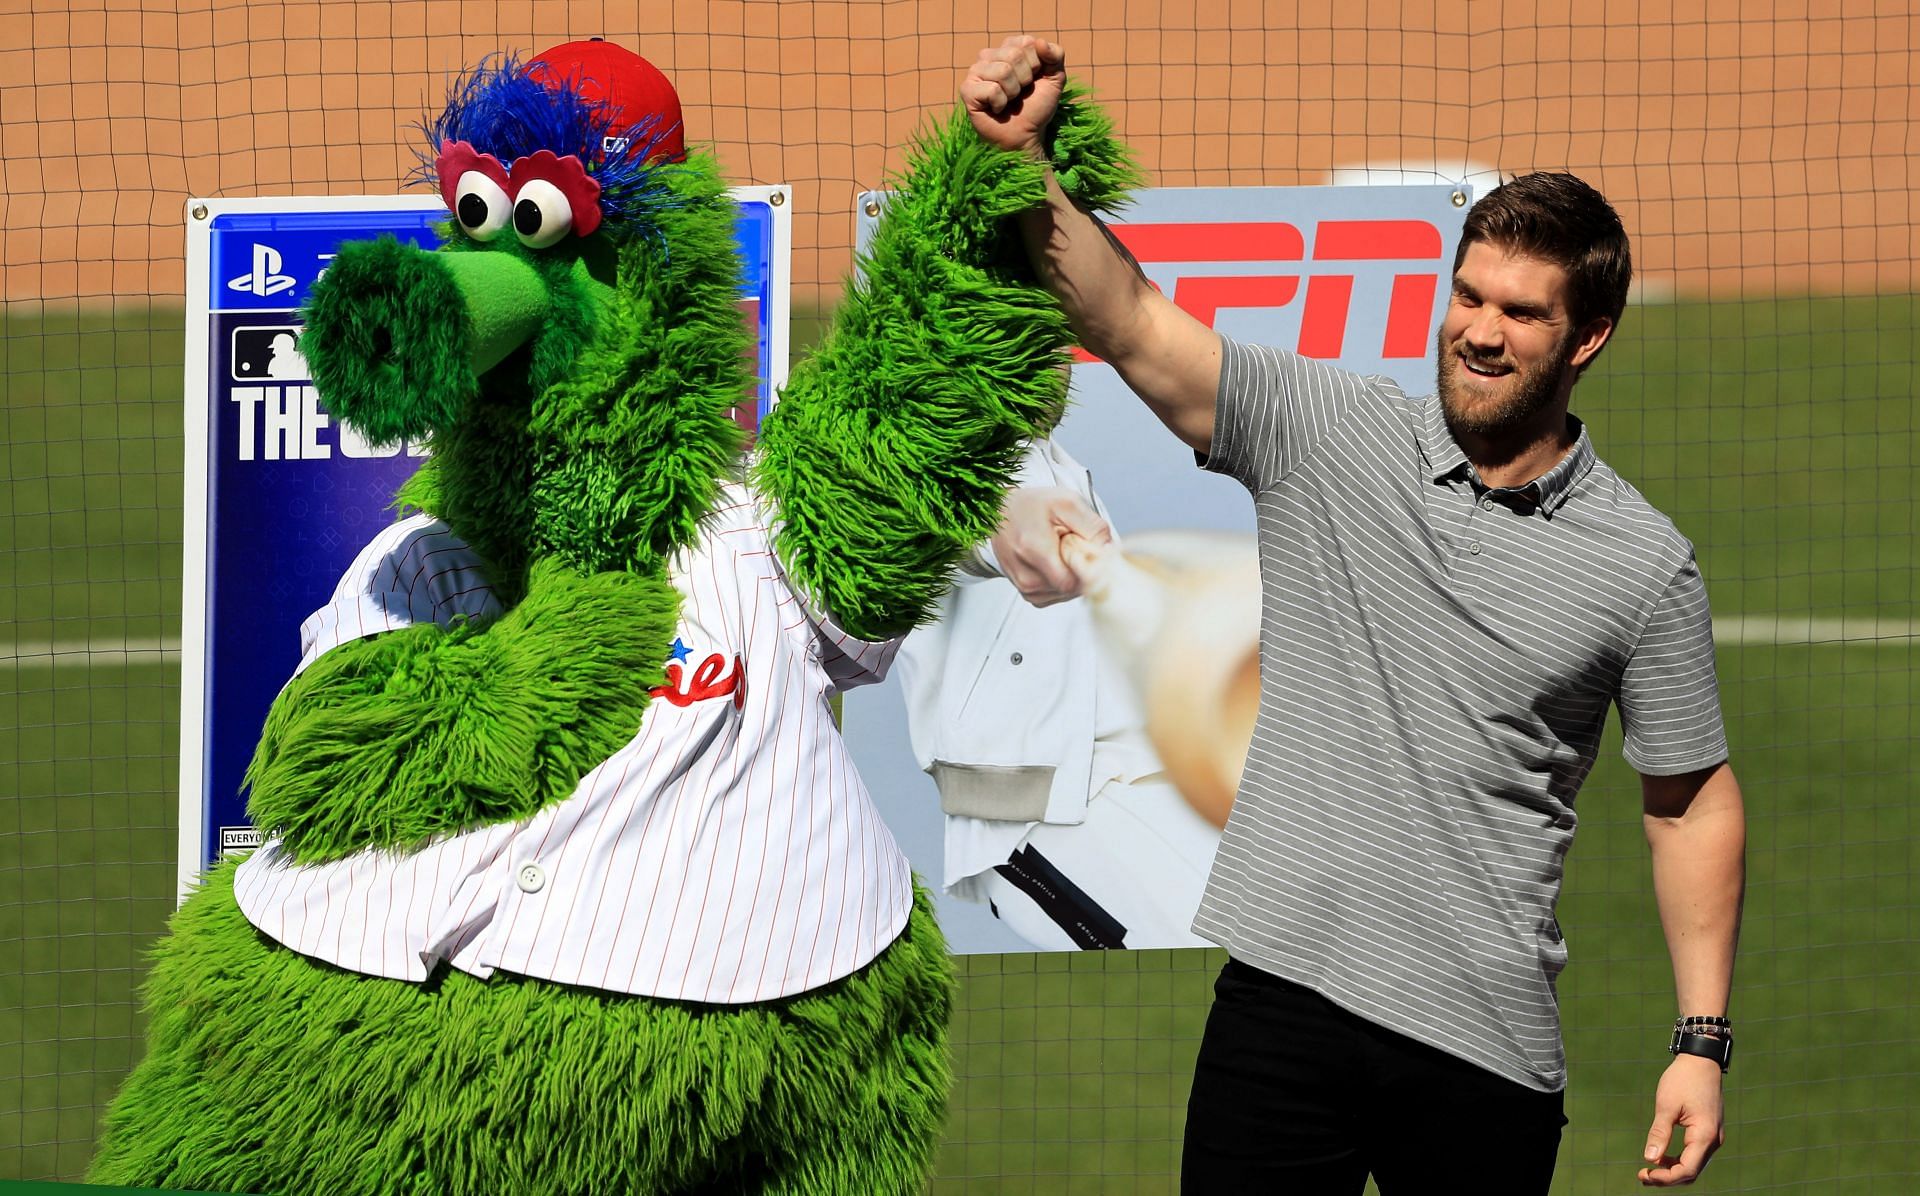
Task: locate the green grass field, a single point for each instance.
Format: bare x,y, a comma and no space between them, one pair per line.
1781,435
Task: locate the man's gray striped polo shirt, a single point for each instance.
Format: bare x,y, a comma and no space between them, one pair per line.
1437,661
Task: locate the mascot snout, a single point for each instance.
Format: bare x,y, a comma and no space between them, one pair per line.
398,337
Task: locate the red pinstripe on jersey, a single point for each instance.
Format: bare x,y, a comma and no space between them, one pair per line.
728,853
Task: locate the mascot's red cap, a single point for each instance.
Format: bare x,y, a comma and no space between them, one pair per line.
622,80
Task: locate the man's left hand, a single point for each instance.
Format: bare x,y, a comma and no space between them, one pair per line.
1688,1097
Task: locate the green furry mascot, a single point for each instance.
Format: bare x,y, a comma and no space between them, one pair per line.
571,886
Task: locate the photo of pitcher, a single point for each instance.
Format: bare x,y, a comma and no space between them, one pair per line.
1084,706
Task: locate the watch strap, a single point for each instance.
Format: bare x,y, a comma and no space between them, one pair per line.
1710,1039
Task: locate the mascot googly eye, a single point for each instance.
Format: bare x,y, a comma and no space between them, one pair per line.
541,215
481,206
475,188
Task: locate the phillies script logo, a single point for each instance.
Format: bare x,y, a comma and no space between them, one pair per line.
1414,244
709,680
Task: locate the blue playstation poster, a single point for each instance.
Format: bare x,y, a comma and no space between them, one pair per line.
280,497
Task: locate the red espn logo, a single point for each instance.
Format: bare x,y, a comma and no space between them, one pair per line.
1323,317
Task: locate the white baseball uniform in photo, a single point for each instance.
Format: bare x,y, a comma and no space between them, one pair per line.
728,853
1058,813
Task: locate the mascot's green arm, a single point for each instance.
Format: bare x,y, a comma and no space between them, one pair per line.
389,741
891,447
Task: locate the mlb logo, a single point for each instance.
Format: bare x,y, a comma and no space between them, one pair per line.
272,354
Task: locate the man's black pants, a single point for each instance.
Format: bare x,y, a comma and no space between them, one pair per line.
1294,1094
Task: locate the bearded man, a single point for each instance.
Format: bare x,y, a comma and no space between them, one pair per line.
1456,588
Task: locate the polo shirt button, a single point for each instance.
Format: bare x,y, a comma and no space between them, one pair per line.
532,878
1474,548
1016,658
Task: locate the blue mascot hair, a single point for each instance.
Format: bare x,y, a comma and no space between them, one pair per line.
501,110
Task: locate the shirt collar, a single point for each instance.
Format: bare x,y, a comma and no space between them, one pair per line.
1443,454
1553,487
1445,458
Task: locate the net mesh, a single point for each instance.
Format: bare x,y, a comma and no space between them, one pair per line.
1761,154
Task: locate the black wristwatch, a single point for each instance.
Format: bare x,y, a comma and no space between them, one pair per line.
1708,1037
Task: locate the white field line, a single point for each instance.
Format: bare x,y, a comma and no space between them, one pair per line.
1737,630
1763,629
46,654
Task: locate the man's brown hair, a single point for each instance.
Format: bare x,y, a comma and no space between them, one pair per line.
1559,219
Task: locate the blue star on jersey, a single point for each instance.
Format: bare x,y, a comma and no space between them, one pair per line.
679,651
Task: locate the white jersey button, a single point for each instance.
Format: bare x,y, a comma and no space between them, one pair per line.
532,878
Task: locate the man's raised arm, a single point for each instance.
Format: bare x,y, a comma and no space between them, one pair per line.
1167,357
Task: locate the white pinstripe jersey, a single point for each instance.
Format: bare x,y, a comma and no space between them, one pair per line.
728,853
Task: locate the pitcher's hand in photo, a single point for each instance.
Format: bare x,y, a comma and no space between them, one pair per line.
1034,521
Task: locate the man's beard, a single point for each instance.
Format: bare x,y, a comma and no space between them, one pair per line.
1495,421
